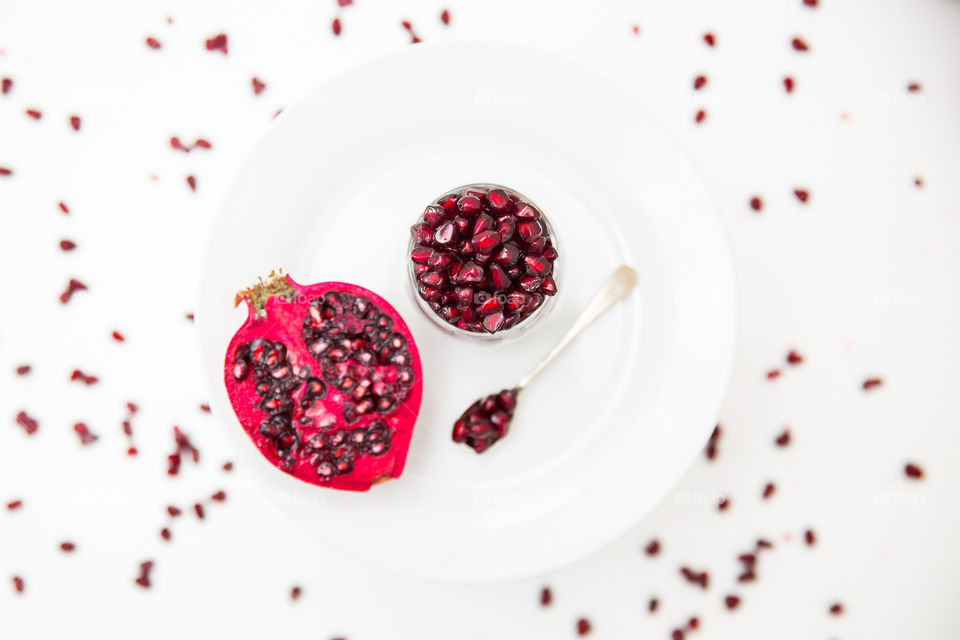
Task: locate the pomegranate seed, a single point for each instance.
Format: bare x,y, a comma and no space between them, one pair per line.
219,496
768,490
699,578
198,509
732,602
700,117
794,358
192,183
258,86
918,181
802,195
4,171
764,544
652,548
75,122
153,43
546,597
295,593
756,203
86,436
788,84
711,449
693,623
202,143
344,3
723,503
72,287
33,113
144,578
63,207
67,547
5,85
485,242
699,81
783,439
810,3
493,322
227,466
773,374
116,335
205,408
914,87
23,370
82,377
799,45
217,43
653,605
583,627
710,39
18,584
67,245
677,634
913,471
836,609
336,27
165,533
29,424
173,511
13,506
131,451
872,383
809,537
445,17
409,27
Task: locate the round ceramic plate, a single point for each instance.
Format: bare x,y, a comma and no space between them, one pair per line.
605,432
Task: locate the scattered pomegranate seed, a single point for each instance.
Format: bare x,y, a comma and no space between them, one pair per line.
546,597
198,509
4,171
203,143
732,602
116,335
810,537
918,181
409,27
799,44
699,81
258,86
72,287
788,84
153,43
29,424
173,511
701,115
723,504
86,436
914,87
82,377
67,546
33,113
5,85
205,408
653,605
701,578
810,3
913,471
131,451
67,245
336,26
183,446
344,3
871,383
773,374
295,593
219,496
710,39
13,506
676,634
636,29
18,584
783,439
802,195
192,183
836,609
583,627
756,203
217,43
63,207
652,548
75,122
445,17
693,623
165,533
189,317
794,358
144,578
228,466
764,544
711,449
768,490
23,370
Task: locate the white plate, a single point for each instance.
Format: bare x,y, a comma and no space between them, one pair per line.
600,438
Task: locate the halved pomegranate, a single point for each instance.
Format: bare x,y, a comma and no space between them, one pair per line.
482,260
326,381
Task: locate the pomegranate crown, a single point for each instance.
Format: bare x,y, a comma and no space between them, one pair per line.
256,296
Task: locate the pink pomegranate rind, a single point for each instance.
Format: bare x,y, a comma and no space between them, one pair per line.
326,381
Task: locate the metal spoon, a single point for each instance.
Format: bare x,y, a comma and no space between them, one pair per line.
488,419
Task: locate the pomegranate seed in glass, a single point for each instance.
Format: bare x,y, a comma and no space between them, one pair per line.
483,262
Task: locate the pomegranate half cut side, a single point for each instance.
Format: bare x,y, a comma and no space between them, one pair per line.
326,381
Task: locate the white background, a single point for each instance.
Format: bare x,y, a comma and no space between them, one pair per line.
862,280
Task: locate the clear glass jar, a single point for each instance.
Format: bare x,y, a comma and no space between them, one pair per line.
523,325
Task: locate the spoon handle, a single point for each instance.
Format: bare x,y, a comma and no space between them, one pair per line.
616,287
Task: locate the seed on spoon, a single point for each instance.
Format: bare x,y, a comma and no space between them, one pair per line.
486,421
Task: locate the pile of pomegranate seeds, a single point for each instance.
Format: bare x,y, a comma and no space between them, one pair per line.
483,259
486,421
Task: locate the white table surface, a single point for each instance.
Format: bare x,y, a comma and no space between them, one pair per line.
862,280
